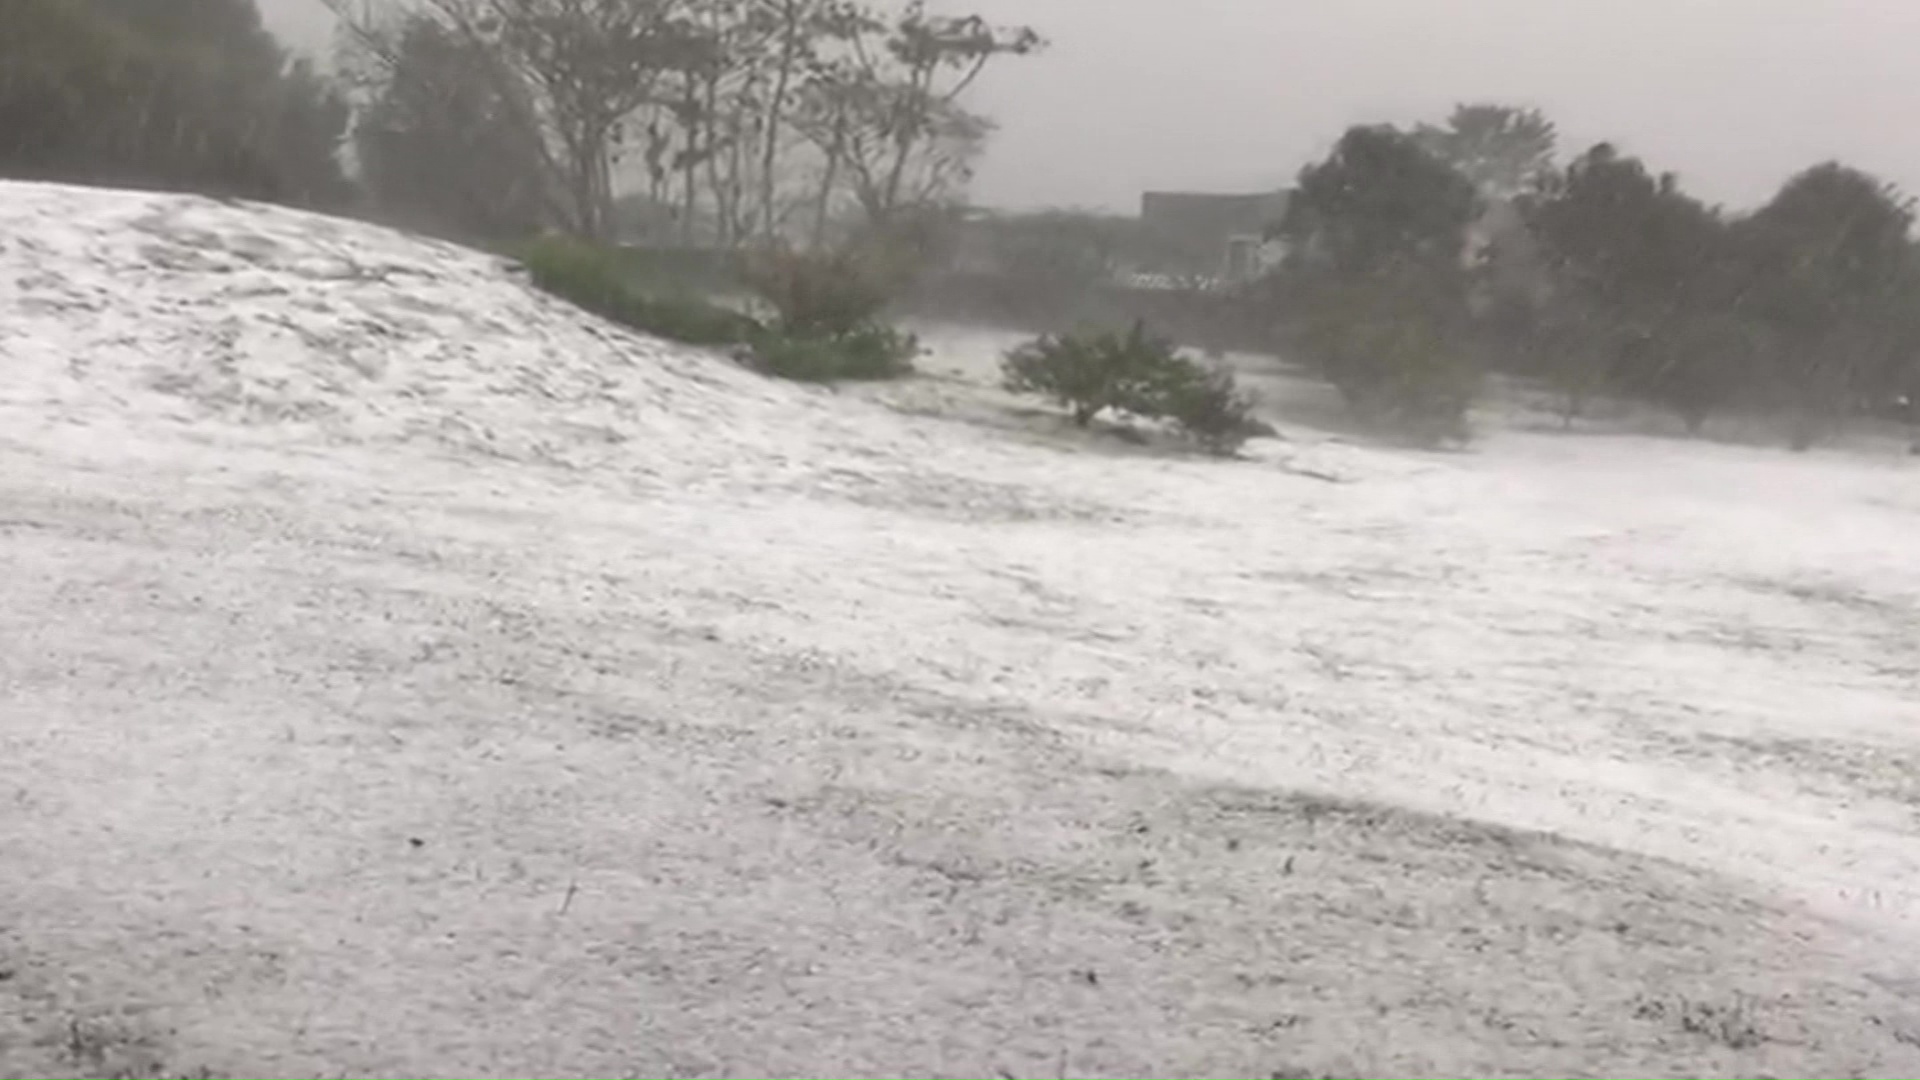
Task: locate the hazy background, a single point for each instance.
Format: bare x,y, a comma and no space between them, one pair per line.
1238,94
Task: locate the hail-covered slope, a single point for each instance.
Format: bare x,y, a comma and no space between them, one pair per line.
164,310
403,674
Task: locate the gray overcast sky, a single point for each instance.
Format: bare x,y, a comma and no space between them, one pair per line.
1238,94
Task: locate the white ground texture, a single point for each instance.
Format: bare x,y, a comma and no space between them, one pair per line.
404,675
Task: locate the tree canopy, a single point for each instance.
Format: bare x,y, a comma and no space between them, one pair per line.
189,94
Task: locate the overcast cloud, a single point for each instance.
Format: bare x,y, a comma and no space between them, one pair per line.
1238,94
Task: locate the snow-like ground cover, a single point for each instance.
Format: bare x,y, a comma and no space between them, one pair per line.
401,674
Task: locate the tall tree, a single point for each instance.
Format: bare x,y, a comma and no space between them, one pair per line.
450,140
1831,265
732,104
886,111
1646,292
1379,202
587,66
1376,280
193,95
1501,148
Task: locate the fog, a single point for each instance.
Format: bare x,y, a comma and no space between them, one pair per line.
1237,94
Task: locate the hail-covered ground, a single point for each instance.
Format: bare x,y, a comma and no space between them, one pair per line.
402,674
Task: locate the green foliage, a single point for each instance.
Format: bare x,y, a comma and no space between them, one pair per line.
1208,404
1703,356
1647,286
1091,372
1630,240
603,281
1805,304
1831,273
1377,283
869,352
451,141
1500,148
1380,201
596,279
1396,346
189,95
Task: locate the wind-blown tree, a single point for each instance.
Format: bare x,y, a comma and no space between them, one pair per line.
1377,283
1896,385
886,110
731,108
1502,149
1830,275
1646,287
193,95
450,141
586,65
796,31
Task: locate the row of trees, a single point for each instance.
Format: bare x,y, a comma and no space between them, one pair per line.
1417,255
743,122
186,94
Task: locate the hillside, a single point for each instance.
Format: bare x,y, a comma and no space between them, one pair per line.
402,674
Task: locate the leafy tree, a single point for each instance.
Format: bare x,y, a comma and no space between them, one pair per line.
1646,293
1379,202
742,113
1377,282
450,140
1500,148
191,95
586,67
886,110
1830,274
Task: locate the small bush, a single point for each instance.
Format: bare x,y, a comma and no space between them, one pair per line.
869,352
826,328
1208,405
1089,373
599,281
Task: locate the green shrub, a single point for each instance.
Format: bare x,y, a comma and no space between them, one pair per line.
581,273
1088,372
1208,405
1092,372
598,280
868,352
826,328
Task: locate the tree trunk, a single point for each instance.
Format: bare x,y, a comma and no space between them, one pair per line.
776,109
830,178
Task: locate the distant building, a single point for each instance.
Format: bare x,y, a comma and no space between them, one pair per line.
1208,237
